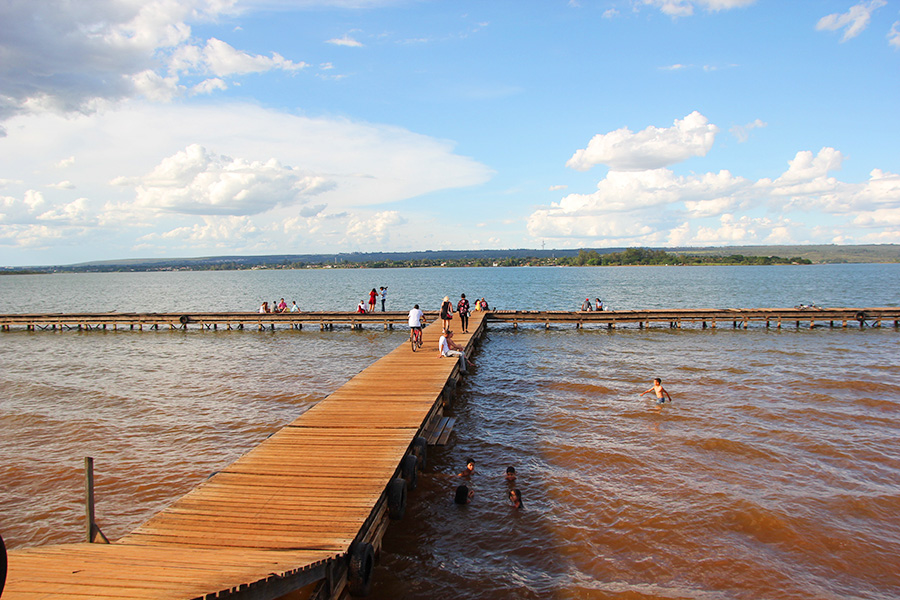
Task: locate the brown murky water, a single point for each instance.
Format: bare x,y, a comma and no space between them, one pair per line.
774,474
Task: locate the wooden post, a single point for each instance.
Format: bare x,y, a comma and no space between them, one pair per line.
93,531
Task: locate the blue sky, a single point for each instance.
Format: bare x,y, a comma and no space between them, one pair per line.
156,128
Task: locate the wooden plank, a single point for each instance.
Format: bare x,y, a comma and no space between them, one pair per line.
445,434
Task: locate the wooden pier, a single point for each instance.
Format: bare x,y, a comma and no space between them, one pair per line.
675,318
703,318
305,511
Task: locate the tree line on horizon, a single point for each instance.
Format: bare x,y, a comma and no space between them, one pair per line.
590,258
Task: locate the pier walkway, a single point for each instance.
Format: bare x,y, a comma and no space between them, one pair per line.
304,510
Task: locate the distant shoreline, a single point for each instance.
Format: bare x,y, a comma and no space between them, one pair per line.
717,256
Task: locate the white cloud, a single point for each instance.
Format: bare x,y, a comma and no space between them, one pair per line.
208,86
685,8
345,41
894,35
74,57
65,163
214,231
854,21
556,188
197,165
742,132
196,181
221,59
62,185
651,148
658,207
375,228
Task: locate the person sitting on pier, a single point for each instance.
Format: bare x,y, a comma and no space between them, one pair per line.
469,470
447,347
659,390
264,308
599,305
463,495
361,307
294,307
515,498
282,306
586,305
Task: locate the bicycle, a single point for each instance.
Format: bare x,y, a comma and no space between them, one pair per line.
415,338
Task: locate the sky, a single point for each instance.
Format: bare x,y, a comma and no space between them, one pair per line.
185,128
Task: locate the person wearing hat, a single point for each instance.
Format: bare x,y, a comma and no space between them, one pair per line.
446,312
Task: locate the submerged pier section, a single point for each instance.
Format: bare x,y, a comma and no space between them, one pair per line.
305,510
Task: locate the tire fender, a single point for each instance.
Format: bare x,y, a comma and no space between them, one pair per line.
861,316
420,451
408,470
359,570
396,498
184,319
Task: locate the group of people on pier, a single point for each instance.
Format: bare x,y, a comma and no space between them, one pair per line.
374,296
586,306
278,307
465,492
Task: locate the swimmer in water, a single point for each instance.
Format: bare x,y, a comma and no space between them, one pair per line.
510,474
515,498
469,470
463,495
661,394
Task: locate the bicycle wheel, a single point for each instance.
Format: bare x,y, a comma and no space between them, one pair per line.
413,343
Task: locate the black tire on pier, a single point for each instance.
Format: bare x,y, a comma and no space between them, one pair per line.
396,498
359,571
408,470
420,451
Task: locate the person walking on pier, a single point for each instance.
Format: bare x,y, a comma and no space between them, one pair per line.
446,312
462,307
661,394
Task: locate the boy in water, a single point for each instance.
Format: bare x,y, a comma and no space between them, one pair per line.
661,394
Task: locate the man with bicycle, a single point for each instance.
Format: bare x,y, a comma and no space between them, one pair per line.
416,321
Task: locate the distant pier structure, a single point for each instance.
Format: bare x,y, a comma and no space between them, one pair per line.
328,320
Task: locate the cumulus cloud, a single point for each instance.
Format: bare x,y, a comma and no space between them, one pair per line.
73,57
656,206
652,148
375,228
213,231
197,181
853,22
